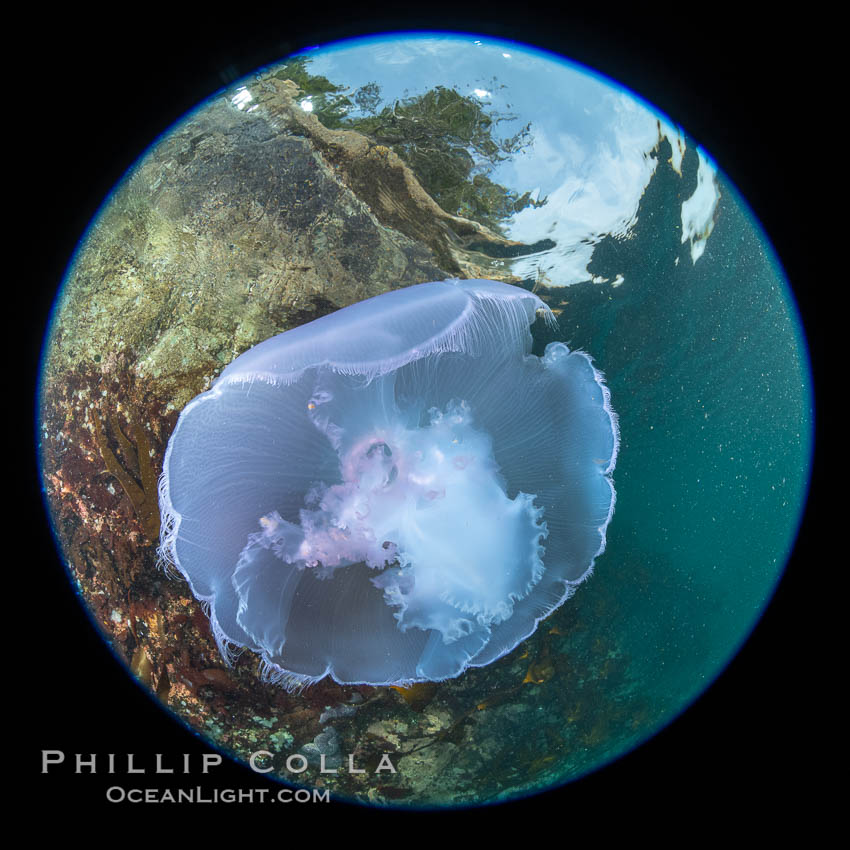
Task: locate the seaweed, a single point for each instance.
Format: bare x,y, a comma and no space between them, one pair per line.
143,492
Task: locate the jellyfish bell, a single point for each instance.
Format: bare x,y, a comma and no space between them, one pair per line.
394,492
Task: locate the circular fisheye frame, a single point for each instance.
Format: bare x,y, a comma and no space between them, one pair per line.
403,418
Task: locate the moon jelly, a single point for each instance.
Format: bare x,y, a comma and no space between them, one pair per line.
394,492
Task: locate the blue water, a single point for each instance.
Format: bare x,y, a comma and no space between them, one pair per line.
709,374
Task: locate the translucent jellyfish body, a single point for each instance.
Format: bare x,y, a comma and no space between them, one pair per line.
394,492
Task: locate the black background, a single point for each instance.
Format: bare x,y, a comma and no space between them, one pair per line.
88,93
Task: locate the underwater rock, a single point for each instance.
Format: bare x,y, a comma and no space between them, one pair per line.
334,712
326,744
231,230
